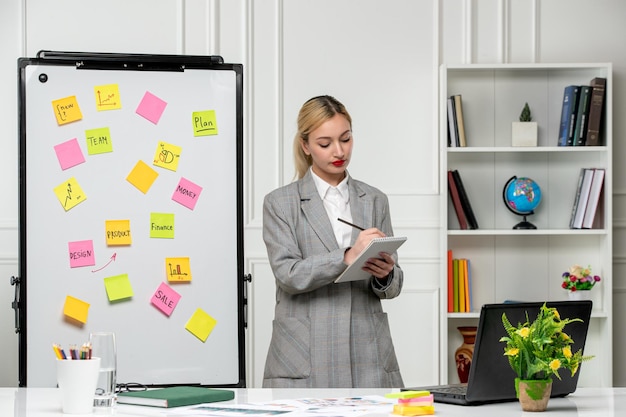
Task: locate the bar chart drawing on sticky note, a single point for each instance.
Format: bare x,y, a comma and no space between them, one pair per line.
178,269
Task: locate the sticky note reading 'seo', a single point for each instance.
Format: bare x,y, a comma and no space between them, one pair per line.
204,123
69,193
66,110
118,287
142,176
165,299
118,232
201,324
76,309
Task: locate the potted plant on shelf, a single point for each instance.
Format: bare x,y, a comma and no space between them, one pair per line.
536,351
578,282
524,132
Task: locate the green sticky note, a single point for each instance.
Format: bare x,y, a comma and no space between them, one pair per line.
204,123
98,141
201,324
162,225
118,287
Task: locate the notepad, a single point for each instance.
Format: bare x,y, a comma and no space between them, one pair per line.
175,396
382,244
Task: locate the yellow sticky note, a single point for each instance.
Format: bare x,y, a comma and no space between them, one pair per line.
178,269
201,324
167,156
118,287
107,97
142,176
407,394
118,232
69,193
76,309
98,141
204,123
66,110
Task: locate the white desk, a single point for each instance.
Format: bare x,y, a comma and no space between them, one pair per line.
585,402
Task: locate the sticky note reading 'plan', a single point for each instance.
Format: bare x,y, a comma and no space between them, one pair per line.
201,324
76,309
165,299
187,193
204,123
118,287
69,154
151,107
142,176
66,110
81,253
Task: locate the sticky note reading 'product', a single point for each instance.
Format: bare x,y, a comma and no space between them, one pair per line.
201,324
178,269
69,154
98,141
66,110
165,299
167,156
118,287
162,225
81,253
151,107
69,193
142,176
76,309
107,97
204,123
187,193
118,232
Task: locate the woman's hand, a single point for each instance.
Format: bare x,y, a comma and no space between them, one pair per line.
378,267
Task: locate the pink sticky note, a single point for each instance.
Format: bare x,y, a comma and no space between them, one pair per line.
187,193
69,154
81,253
165,299
151,107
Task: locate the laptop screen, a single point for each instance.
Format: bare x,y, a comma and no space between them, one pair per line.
491,377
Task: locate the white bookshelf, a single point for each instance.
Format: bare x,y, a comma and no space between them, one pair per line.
526,265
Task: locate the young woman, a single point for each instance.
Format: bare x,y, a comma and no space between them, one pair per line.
326,334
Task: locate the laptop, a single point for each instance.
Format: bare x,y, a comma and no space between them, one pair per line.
491,378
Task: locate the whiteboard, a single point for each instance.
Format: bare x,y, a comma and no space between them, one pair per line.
183,204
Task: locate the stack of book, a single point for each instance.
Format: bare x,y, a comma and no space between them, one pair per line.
459,285
460,201
456,126
581,114
587,205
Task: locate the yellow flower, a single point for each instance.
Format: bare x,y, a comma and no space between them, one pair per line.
567,352
565,336
555,364
556,313
524,332
512,352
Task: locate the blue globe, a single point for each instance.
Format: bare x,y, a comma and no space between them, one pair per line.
522,196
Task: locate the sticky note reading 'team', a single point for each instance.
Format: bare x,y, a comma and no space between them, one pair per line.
204,123
69,154
142,176
69,193
201,324
167,156
76,309
118,287
165,299
187,193
162,225
151,107
98,141
66,110
81,253
118,232
107,97
178,269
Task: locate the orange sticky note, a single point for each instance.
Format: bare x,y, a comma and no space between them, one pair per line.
76,309
201,324
118,232
66,110
118,287
142,176
178,269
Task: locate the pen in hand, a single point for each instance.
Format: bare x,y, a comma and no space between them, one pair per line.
350,224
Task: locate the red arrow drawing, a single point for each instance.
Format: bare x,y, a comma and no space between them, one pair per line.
107,264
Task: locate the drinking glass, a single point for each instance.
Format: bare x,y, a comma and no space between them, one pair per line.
103,347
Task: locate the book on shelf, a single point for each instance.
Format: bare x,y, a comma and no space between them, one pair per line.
462,289
459,285
455,283
450,282
580,131
595,193
465,202
460,124
581,199
456,201
596,112
453,131
175,396
568,115
469,302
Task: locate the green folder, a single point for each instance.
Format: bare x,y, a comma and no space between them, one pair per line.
175,396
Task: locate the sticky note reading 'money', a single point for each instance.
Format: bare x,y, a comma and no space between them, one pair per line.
187,193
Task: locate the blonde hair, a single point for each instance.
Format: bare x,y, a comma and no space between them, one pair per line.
313,114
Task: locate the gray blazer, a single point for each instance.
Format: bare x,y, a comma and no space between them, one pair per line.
326,334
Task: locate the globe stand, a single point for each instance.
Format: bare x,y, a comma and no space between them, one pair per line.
524,224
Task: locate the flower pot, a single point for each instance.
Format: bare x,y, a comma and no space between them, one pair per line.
579,295
533,395
464,353
524,133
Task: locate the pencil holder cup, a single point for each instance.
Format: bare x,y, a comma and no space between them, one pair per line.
77,382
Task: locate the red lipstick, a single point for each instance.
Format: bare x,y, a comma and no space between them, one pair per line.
339,163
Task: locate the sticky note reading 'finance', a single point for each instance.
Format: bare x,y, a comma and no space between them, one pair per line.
162,225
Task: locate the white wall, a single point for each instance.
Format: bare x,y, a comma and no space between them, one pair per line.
379,57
